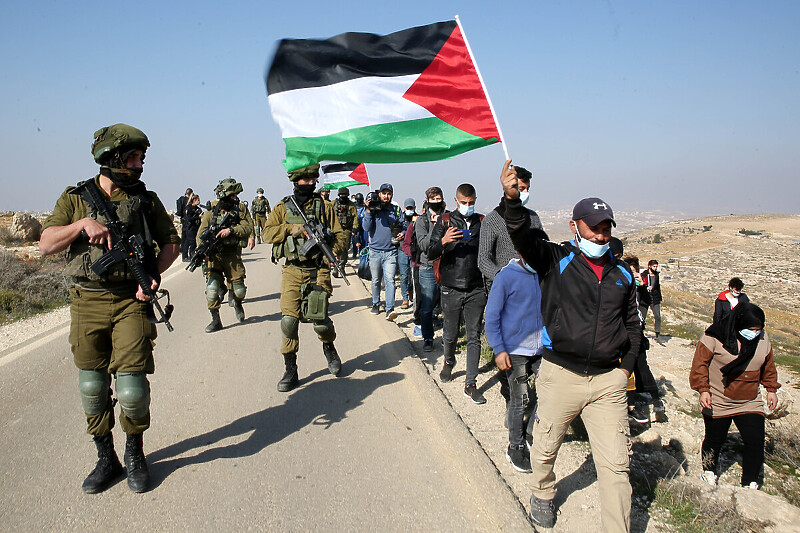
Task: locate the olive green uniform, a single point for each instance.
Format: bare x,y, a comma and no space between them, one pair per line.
260,210
227,263
109,331
301,272
348,217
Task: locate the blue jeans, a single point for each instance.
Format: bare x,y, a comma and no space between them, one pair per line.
404,266
427,299
385,261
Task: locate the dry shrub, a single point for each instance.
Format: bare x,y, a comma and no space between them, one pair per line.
782,454
30,286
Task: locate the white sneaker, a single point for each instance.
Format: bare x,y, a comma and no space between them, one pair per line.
709,477
753,485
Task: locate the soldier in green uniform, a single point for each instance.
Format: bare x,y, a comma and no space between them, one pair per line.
260,210
305,280
110,333
348,217
227,262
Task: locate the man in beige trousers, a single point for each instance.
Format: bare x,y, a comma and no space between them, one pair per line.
591,337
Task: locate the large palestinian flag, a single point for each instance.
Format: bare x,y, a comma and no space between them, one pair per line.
338,175
414,95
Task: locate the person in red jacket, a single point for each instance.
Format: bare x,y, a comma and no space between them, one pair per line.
728,300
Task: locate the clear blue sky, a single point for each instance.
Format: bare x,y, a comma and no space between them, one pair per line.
684,105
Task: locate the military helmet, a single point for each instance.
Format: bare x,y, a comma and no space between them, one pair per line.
228,187
344,191
118,138
359,197
311,171
259,191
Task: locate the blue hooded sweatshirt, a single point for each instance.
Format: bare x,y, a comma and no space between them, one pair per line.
514,311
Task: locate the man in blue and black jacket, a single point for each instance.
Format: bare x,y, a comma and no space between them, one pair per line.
591,337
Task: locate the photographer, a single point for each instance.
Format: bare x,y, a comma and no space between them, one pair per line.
380,220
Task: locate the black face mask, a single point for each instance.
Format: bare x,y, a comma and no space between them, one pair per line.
303,193
435,206
343,199
125,179
227,204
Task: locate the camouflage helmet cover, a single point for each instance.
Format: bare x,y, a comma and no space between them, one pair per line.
259,191
311,171
344,191
228,187
117,138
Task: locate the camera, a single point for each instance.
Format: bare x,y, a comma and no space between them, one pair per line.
373,201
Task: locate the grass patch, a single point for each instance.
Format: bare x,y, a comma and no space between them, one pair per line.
7,239
32,286
782,454
688,510
790,362
695,410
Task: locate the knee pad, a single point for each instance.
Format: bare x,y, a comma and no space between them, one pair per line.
239,290
289,325
133,393
322,327
213,288
94,388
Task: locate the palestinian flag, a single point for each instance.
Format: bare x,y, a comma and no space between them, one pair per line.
413,95
338,175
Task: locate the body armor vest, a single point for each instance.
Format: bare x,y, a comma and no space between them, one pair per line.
344,214
260,206
81,254
290,248
231,241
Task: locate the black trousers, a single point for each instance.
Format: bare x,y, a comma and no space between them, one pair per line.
751,428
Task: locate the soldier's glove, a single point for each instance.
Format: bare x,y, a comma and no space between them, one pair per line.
296,230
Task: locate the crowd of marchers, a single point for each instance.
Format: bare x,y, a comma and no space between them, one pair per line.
565,321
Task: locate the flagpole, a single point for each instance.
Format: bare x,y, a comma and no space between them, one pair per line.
483,85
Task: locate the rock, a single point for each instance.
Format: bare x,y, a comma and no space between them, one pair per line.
758,505
648,440
25,227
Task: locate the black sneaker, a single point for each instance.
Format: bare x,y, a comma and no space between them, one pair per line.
659,415
472,392
376,309
640,414
446,375
543,512
519,457
427,346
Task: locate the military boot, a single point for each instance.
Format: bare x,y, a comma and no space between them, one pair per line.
237,307
289,380
108,468
135,462
334,363
216,323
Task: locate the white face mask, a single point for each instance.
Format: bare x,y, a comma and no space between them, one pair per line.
590,249
749,334
524,197
466,210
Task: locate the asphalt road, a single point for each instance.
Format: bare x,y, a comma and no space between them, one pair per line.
376,449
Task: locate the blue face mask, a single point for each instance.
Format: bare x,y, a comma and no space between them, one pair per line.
524,197
528,267
734,293
590,249
409,212
749,334
466,210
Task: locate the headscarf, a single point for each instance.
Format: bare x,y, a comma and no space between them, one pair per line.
744,316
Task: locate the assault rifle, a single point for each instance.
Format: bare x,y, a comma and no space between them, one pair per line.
316,237
127,248
210,243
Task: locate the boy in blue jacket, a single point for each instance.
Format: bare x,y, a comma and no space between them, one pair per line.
513,319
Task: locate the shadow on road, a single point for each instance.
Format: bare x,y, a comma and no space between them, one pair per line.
300,408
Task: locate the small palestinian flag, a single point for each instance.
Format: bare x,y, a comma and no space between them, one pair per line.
338,175
413,95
